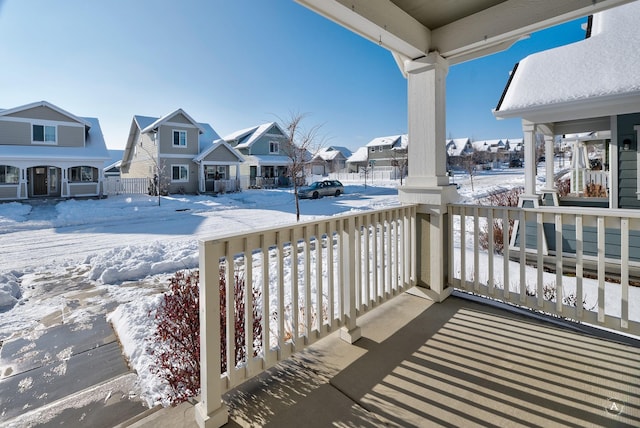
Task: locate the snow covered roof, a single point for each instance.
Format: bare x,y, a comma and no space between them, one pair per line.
246,137
360,155
207,137
456,146
331,152
487,145
384,141
216,145
590,78
74,118
276,160
166,118
94,149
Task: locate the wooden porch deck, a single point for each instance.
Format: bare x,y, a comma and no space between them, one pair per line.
456,363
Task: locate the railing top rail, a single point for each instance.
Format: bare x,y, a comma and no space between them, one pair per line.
297,225
591,211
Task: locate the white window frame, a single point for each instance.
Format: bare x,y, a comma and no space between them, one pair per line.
180,133
44,134
380,148
637,129
274,147
181,179
6,174
82,171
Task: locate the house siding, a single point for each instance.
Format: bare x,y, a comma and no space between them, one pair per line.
627,163
42,113
70,136
190,186
166,140
15,133
221,154
142,159
8,191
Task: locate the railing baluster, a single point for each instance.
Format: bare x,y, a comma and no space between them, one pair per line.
375,258
248,305
308,308
506,289
266,301
490,251
319,280
579,266
601,268
383,259
559,265
295,312
476,249
463,248
539,260
624,273
366,274
357,268
330,276
523,256
281,303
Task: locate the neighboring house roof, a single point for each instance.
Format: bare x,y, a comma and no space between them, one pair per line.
385,141
7,112
155,124
331,152
218,144
456,146
360,155
275,160
246,137
94,148
114,166
590,78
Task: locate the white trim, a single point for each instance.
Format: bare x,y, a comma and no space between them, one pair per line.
637,129
275,144
44,134
179,124
173,138
186,167
176,156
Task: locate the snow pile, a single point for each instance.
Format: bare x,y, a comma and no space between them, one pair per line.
135,324
9,290
132,262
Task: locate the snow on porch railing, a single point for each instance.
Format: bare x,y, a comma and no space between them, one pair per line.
307,280
575,263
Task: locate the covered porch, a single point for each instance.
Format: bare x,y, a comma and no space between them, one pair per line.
326,280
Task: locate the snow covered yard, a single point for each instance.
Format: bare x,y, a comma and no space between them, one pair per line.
74,260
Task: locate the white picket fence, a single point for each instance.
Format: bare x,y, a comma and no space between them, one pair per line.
125,186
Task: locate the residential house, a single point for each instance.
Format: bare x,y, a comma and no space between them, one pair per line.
387,151
265,149
458,149
329,159
593,100
46,151
179,155
358,160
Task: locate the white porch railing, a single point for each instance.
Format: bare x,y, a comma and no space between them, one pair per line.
308,280
600,178
576,263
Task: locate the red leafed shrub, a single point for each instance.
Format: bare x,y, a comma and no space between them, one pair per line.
240,354
177,335
504,199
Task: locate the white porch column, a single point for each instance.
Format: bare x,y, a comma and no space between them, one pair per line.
427,183
550,193
529,198
202,186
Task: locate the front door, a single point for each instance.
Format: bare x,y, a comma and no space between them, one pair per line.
40,177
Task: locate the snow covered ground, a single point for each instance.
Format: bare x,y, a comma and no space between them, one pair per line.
75,260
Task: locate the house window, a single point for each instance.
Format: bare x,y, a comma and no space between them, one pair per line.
380,148
274,147
373,149
179,173
9,174
44,134
180,138
80,174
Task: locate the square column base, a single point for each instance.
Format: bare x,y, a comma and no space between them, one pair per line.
218,418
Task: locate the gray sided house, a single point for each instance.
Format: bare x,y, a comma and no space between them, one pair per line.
330,159
46,151
591,88
179,155
358,160
387,151
265,149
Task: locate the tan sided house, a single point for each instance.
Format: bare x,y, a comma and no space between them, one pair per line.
46,151
176,154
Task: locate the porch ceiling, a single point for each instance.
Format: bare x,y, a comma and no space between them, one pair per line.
459,30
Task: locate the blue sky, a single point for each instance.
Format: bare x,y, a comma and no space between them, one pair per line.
233,64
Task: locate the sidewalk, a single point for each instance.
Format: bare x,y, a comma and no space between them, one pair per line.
457,363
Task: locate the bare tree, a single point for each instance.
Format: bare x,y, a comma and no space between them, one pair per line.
400,160
470,163
302,144
159,184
